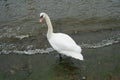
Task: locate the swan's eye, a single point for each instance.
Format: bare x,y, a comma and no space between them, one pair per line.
41,16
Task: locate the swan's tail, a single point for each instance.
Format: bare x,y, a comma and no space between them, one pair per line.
74,55
77,56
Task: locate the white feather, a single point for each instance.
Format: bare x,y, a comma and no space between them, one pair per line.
64,44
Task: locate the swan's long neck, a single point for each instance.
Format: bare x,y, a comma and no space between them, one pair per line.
50,28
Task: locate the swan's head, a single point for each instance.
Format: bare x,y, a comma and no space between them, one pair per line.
42,16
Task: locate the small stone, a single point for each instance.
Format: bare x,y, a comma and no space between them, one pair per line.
12,71
83,78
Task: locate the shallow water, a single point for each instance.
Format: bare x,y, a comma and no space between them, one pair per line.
25,53
100,64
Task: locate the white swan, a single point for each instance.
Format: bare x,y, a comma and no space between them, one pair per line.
61,42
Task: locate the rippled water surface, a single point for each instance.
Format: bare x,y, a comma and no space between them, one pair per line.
25,53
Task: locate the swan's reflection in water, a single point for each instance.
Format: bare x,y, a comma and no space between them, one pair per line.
66,70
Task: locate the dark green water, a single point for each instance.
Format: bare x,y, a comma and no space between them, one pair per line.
99,64
25,53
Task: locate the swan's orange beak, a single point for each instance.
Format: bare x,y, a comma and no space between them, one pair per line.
41,19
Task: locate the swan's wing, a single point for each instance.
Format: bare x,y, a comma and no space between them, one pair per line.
63,42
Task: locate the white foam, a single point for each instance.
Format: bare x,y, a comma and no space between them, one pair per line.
41,51
11,48
22,36
103,43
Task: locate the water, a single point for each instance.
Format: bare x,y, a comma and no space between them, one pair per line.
94,25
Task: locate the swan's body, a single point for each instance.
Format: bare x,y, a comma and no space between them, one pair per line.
61,42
